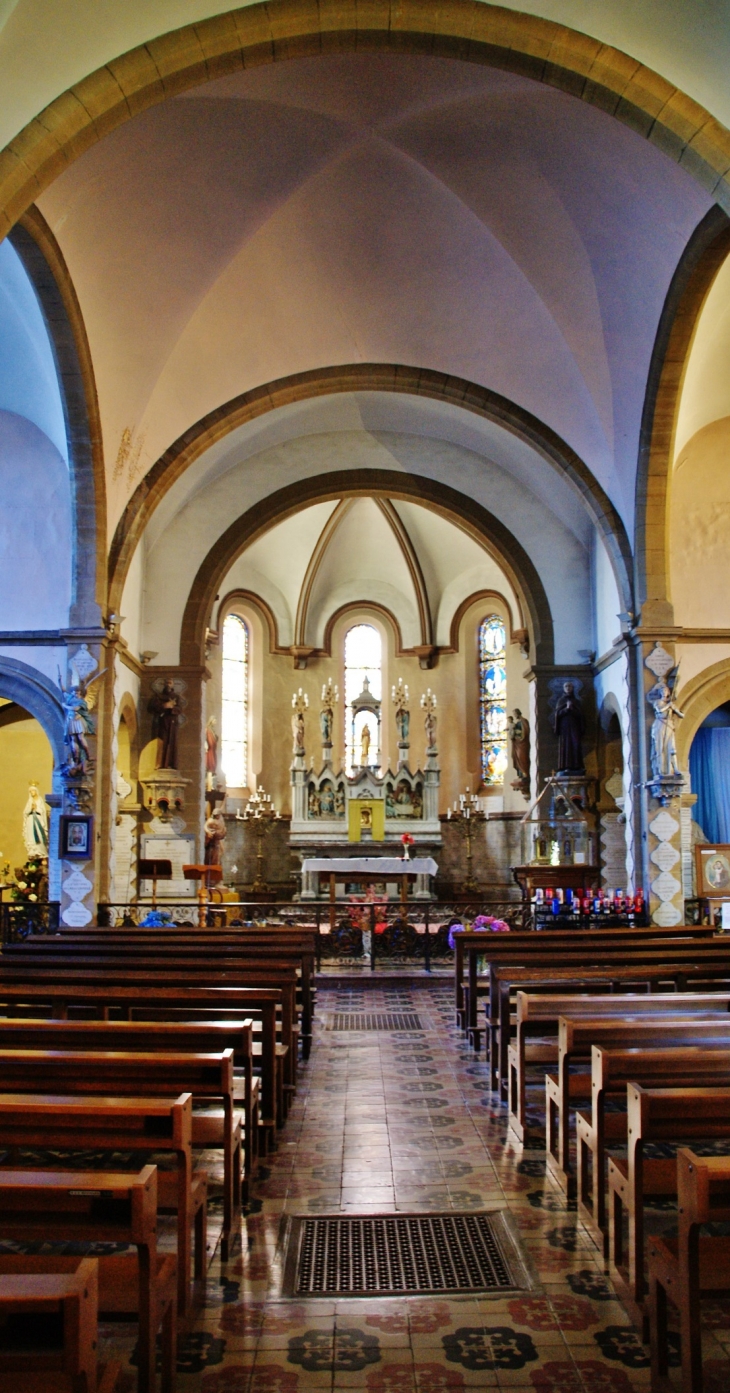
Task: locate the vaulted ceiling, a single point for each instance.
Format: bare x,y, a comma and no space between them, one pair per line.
373,207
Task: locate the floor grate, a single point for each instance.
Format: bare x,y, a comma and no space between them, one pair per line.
403,1254
374,1020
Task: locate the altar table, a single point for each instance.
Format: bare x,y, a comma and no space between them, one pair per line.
369,868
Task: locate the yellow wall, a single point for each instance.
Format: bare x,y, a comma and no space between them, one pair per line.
25,755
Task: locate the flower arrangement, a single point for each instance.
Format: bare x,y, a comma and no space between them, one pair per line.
31,881
407,842
157,919
482,924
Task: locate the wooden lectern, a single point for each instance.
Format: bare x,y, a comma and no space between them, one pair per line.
154,871
208,876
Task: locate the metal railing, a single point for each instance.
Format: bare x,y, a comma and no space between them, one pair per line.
21,918
362,932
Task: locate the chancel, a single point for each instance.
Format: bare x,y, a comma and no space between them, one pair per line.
364,695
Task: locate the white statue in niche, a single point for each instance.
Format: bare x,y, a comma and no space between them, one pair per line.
35,823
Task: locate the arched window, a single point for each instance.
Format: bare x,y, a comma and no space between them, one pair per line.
492,699
363,662
234,714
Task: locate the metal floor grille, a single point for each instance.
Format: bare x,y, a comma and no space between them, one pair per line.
374,1020
403,1254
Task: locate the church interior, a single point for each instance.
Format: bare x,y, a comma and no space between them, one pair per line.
364,696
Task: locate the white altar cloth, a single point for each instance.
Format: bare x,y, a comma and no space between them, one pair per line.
385,867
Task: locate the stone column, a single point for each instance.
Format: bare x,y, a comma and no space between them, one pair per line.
80,789
664,812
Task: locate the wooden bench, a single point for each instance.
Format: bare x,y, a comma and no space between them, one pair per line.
139,946
208,1077
611,1070
173,1003
469,946
685,959
105,1207
576,1039
196,1037
688,1267
97,973
73,1123
56,1298
537,1014
660,980
654,1115
551,945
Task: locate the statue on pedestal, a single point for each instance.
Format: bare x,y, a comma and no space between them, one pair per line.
330,697
663,730
166,706
35,823
428,705
300,702
365,745
518,728
215,831
569,725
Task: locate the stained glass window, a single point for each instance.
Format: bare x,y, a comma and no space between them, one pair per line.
363,659
492,699
234,715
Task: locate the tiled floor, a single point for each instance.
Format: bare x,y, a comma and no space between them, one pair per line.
387,1122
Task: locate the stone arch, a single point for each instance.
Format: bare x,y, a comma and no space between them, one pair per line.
366,377
285,502
42,259
696,699
691,283
469,30
34,691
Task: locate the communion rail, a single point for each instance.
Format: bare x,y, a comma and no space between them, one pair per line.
363,932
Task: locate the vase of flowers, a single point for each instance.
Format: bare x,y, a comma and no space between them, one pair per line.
407,842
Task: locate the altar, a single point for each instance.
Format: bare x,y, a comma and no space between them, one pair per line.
367,870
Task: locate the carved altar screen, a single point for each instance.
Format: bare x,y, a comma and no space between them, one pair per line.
492,699
234,714
363,659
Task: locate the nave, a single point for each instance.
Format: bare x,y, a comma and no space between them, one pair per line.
406,1122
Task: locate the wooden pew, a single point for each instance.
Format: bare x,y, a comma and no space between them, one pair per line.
278,976
74,1123
63,1293
606,956
611,1070
138,946
192,1037
537,1014
658,979
500,947
149,1001
208,1077
654,1115
576,1039
689,1267
105,1207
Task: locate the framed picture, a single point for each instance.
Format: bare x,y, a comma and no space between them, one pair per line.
77,837
713,871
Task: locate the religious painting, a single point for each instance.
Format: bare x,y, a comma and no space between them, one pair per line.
76,840
713,871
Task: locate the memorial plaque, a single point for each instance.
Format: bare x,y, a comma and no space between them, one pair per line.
179,851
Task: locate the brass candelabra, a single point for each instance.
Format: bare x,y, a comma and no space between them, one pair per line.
260,811
466,814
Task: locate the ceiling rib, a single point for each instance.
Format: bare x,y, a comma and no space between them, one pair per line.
300,649
425,649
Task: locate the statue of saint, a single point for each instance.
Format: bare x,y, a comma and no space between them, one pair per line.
215,831
166,708
519,734
35,823
663,738
325,723
365,745
211,754
569,724
79,701
297,726
430,724
402,724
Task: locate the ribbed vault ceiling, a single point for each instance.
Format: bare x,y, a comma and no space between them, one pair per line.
373,207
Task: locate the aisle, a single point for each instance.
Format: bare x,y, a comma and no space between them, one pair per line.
404,1121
